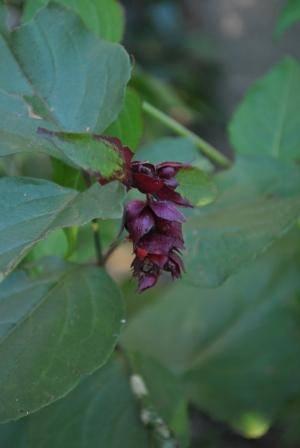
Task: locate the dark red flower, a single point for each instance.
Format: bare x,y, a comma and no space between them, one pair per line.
155,229
158,180
154,225
145,178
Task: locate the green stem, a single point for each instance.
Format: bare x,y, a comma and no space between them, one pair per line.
149,415
97,242
204,146
95,226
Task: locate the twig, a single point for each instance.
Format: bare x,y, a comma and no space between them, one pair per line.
95,226
207,149
115,244
97,241
148,414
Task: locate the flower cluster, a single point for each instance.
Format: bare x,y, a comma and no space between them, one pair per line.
155,225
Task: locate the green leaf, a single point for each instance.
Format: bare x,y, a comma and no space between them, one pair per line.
55,244
129,125
66,72
22,131
289,16
54,333
32,208
89,152
32,7
237,346
175,149
196,186
67,176
3,19
259,202
103,17
267,121
100,412
18,128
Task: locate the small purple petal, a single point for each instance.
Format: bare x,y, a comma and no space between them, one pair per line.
166,194
158,260
141,225
175,165
166,210
147,184
133,209
167,172
171,183
174,265
169,228
147,281
157,244
176,258
143,167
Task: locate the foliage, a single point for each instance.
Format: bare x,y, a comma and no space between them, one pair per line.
225,338
289,16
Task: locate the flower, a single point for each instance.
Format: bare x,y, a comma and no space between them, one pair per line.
158,180
155,229
155,224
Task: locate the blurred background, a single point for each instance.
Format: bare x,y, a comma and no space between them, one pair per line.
208,52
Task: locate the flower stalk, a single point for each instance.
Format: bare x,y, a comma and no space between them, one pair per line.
206,148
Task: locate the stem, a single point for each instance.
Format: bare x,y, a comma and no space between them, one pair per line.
148,414
95,226
111,250
97,242
204,146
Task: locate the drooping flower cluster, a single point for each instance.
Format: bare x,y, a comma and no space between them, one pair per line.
155,225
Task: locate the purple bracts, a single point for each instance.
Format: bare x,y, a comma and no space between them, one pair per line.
155,225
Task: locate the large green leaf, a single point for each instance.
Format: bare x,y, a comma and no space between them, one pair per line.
74,78
23,131
268,120
103,17
53,332
3,19
259,202
196,186
32,7
289,15
31,208
86,151
101,412
238,346
129,125
18,128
